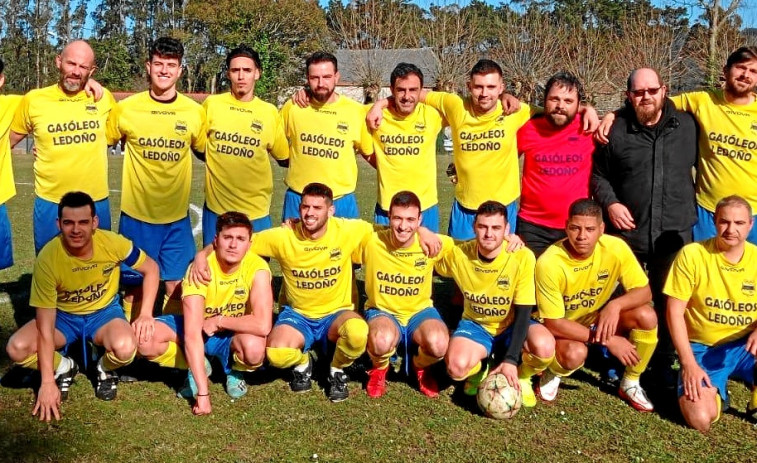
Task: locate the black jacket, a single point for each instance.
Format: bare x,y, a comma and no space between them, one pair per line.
650,171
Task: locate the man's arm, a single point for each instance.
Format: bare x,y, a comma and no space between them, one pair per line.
47,405
509,367
692,374
607,323
194,349
259,321
144,324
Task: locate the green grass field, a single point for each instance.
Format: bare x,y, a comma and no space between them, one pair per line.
148,423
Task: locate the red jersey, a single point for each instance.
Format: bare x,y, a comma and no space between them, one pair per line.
556,170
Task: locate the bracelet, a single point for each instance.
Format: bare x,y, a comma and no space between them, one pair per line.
203,395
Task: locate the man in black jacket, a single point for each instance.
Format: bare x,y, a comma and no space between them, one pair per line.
643,179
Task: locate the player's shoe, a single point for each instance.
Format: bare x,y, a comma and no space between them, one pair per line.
107,382
301,381
376,386
189,389
527,393
338,386
633,393
426,382
65,379
549,383
472,382
236,386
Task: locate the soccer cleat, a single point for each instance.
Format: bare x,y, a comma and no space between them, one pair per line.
301,381
236,387
635,396
472,382
426,382
549,383
338,386
65,379
189,389
107,383
376,386
527,393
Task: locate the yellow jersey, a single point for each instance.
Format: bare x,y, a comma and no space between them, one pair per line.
485,149
160,137
317,273
322,143
405,151
491,289
241,134
8,106
577,289
77,286
227,294
721,299
398,280
69,135
727,147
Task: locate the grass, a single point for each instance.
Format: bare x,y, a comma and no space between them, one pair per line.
148,423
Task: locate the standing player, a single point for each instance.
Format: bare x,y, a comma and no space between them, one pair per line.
323,138
227,318
400,314
8,105
575,278
242,130
162,128
556,163
710,314
68,128
75,292
498,290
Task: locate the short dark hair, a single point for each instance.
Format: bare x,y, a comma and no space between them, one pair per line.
485,66
403,70
405,199
167,47
585,207
565,80
75,199
2,66
733,200
232,219
244,51
491,208
740,55
320,57
318,189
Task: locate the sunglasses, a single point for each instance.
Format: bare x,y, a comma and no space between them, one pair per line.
640,92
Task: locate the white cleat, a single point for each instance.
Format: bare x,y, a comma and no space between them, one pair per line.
549,383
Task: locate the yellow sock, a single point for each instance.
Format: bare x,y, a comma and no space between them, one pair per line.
286,357
753,400
353,337
171,306
476,368
382,361
645,342
560,370
111,362
239,365
533,365
31,361
423,359
173,357
128,306
719,403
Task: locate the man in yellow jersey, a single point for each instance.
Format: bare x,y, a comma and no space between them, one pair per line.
228,318
498,291
162,128
242,130
75,293
711,305
575,278
323,138
68,128
399,311
8,106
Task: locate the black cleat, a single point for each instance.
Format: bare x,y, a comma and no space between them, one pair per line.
301,381
107,383
338,387
66,379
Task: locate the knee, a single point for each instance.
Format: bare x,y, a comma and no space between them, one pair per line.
381,342
435,343
253,351
457,367
542,346
699,420
573,355
646,318
354,331
18,348
124,347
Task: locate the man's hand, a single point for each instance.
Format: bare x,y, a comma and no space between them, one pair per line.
510,104
621,217
607,323
47,405
301,98
590,119
374,117
144,328
199,272
601,135
751,343
510,371
202,405
623,350
93,88
430,243
692,377
210,326
513,242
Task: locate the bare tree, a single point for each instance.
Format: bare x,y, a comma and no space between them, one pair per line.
589,54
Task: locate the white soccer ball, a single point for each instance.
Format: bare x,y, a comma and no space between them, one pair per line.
497,399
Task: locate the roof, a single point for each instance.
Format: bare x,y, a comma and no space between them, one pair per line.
354,64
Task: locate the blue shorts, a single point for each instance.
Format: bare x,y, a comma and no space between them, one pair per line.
471,330
210,218
345,206
171,245
6,242
406,346
84,327
429,219
46,216
705,226
730,360
314,330
461,220
218,345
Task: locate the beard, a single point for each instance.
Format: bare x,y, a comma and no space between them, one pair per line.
648,113
560,119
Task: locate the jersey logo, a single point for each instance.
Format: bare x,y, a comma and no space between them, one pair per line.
181,127
256,126
239,291
91,108
108,269
421,263
503,282
603,275
335,254
420,127
500,120
747,287
342,127
754,126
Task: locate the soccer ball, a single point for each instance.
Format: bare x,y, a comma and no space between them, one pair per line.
497,399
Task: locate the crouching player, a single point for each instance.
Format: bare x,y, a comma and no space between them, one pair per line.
498,291
228,318
575,278
711,289
74,289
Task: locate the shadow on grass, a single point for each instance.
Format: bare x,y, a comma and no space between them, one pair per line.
18,293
